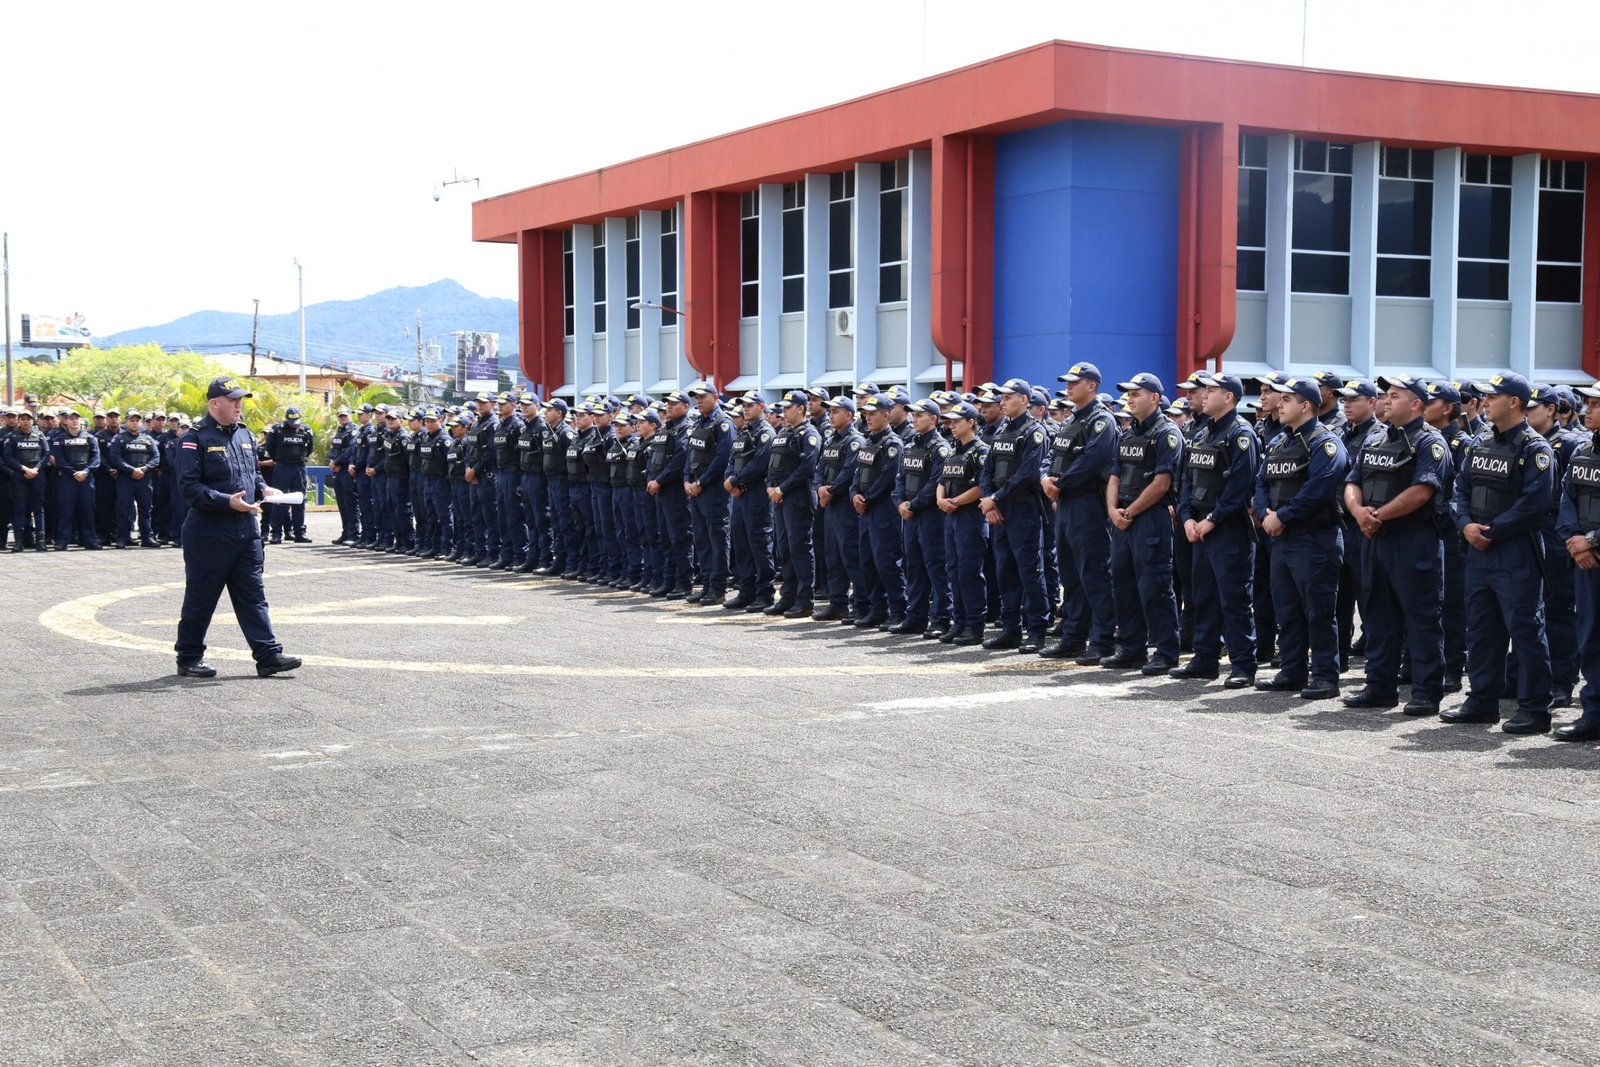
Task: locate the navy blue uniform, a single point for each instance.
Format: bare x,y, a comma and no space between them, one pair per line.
533,493
32,451
1454,616
841,526
288,445
513,529
221,547
1141,556
1560,609
1011,479
1218,485
457,458
1081,456
927,584
485,515
433,478
563,529
1352,586
877,465
1402,570
135,452
605,563
341,457
647,520
1506,484
750,513
791,469
966,537
366,449
667,456
1300,480
709,443
75,454
1579,516
583,554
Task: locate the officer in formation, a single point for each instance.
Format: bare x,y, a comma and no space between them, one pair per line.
285,452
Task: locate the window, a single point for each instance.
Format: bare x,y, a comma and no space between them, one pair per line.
842,239
599,277
1321,233
631,245
568,319
1483,271
669,264
1560,257
1405,222
750,254
894,224
794,246
1252,240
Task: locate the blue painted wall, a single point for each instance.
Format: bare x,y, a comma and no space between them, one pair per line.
1086,251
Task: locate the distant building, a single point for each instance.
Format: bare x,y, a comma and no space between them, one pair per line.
285,373
1073,202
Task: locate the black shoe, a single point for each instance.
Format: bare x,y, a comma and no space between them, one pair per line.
1452,683
1031,646
338,540
1527,722
657,591
1464,714
894,624
780,608
828,613
279,663
150,544
1561,699
94,547
936,630
759,606
1088,658
484,562
1122,661
801,610
870,622
1584,728
497,565
1158,667
527,568
1239,681
1418,706
275,540
1319,692
301,539
713,598
122,544
1004,641
196,670
738,603
971,637
1063,652
1279,684
904,626
678,594
694,598
1367,697
470,561
1192,670
950,636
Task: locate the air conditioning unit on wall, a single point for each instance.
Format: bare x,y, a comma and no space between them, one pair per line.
844,322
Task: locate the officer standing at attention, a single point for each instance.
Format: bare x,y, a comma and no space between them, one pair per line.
1013,505
397,481
25,454
1328,413
457,456
877,465
647,520
558,437
136,458
289,446
791,469
160,431
705,469
966,531
341,454
1082,452
841,541
1214,507
77,456
105,429
604,557
1502,494
1297,497
1443,412
218,477
1139,494
507,481
1395,482
1579,524
481,476
362,471
624,532
667,466
531,490
433,481
1560,611
749,510
1360,424
927,585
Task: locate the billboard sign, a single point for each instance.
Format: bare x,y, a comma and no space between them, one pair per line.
55,331
477,362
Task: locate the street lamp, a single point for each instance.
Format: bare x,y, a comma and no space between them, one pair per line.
457,179
300,272
645,304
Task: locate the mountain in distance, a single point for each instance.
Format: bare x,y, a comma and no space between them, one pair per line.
339,332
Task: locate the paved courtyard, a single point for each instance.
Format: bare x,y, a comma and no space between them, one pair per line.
510,821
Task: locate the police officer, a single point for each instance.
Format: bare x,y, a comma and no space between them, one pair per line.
76,454
623,521
395,477
341,456
791,470
417,497
666,472
1214,508
383,523
288,445
1395,481
1579,525
710,442
1329,410
481,475
365,476
558,438
219,477
1501,496
749,510
647,519
163,477
966,529
511,532
841,526
1361,398
916,492
1013,505
8,427
135,458
606,558
1560,610
432,480
1083,448
1443,413
877,465
1297,497
107,425
1139,495
583,554
457,458
532,491
1472,419
26,454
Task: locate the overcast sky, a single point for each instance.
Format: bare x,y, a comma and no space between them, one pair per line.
162,158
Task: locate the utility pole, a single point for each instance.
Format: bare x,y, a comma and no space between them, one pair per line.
301,272
5,263
254,323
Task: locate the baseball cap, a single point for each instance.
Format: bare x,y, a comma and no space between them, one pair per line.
962,410
1590,391
1038,396
1230,382
795,396
342,411
460,420
875,402
1143,380
930,406
557,403
752,397
1354,387
1191,382
484,398
1444,391
843,403
652,417
701,389
1507,384
225,387
1179,406
1275,377
1326,379
1079,371
1544,393
1468,390
866,388
677,396
504,398
816,392
1304,388
134,413
1061,403
1015,387
288,413
368,408
898,394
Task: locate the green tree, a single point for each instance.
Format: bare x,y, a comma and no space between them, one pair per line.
140,376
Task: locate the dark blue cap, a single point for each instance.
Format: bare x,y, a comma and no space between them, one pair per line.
1038,395
930,406
1544,393
1507,384
1143,380
962,410
1467,390
288,413
1444,391
796,396
1354,387
1015,387
866,389
817,392
1305,388
876,402
225,387
1405,381
557,403
652,417
898,394
1230,382
843,403
1080,370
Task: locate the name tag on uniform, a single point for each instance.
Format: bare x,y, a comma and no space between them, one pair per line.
216,448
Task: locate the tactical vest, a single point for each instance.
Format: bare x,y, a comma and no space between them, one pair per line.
745,446
1494,479
340,441
917,462
530,448
394,453
505,443
76,451
28,449
831,458
455,459
1136,460
1003,448
1387,469
616,462
414,452
136,451
577,470
783,459
553,451
1071,437
868,458
1287,470
962,469
1584,471
638,462
594,456
432,455
663,446
702,444
291,445
1207,461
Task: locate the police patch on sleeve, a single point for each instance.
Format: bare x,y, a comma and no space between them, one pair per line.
1038,437
1172,440
811,439
855,444
1244,442
1330,447
1541,460
1438,451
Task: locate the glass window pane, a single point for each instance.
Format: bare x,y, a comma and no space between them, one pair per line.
794,242
1405,217
1560,284
891,227
1500,170
1403,277
841,289
1311,273
1314,155
1485,222
750,299
1253,271
794,294
599,275
891,283
750,250
1252,208
841,254
669,263
1421,163
568,327
1322,212
1482,281
1561,227
599,318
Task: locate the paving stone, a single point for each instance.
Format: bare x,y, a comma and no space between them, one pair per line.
66,1032
165,991
474,1012
98,942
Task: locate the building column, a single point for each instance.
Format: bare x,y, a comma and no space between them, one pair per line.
710,278
1280,207
869,179
1446,252
650,293
1524,254
616,302
1208,254
919,255
819,320
583,368
769,290
539,308
1364,257
962,320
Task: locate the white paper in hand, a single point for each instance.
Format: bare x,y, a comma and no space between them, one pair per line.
285,498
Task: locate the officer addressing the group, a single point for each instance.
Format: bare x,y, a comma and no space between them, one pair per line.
220,480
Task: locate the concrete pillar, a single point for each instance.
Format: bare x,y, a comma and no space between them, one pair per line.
819,320
583,369
1446,252
919,294
1364,257
1524,254
865,257
1280,207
